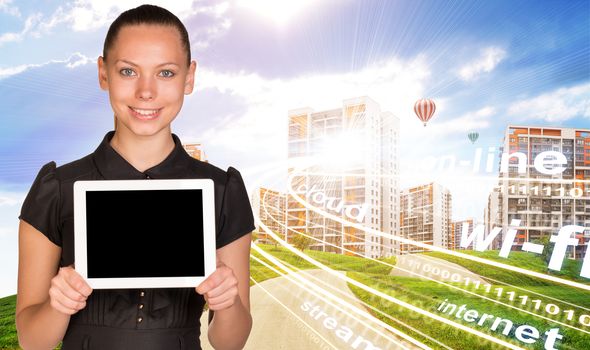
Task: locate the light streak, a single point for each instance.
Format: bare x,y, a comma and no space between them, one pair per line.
292,313
333,297
431,247
452,286
307,275
386,296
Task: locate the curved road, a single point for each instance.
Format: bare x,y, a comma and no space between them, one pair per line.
288,315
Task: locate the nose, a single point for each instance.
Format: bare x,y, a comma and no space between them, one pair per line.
146,88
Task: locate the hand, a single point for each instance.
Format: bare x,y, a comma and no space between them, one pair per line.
220,289
68,291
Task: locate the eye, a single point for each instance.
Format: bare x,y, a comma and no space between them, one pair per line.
127,72
167,73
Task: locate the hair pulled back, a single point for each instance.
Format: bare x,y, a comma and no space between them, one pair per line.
147,14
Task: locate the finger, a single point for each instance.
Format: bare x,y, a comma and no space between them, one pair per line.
225,285
230,293
67,290
211,282
77,282
222,306
59,307
64,302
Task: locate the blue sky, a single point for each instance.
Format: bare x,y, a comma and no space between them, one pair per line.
486,63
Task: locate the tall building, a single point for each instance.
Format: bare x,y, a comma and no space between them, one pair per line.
425,217
352,153
269,206
196,151
457,229
492,216
543,182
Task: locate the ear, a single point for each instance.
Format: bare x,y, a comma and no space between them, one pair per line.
189,82
102,73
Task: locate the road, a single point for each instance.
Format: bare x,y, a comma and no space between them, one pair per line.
289,315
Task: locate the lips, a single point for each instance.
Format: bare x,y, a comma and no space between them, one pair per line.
145,114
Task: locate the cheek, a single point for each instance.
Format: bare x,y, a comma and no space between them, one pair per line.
120,90
172,91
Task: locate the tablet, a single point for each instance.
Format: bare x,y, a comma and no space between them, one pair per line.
144,233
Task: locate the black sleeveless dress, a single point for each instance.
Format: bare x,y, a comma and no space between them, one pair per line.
148,319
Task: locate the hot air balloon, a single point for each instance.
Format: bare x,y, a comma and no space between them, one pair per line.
424,109
473,136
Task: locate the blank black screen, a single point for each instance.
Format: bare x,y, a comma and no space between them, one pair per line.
141,233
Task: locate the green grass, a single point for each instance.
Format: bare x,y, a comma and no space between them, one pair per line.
335,261
429,295
570,269
8,339
528,261
422,293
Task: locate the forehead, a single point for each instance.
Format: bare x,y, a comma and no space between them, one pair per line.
148,44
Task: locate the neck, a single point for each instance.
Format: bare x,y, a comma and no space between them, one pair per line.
142,152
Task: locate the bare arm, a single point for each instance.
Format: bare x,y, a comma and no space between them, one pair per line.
45,298
228,293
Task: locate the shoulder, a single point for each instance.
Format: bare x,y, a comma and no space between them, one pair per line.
72,171
206,170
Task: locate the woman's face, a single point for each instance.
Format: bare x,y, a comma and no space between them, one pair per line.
147,77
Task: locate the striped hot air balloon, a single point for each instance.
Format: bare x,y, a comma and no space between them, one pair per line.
473,136
424,109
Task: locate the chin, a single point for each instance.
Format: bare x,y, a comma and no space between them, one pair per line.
143,130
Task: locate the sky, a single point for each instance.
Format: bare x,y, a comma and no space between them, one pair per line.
486,64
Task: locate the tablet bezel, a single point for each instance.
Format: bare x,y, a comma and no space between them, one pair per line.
80,252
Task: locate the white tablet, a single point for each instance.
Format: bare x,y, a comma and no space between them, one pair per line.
144,233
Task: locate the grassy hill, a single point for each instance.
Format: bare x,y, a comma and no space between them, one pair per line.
422,293
570,269
8,338
429,294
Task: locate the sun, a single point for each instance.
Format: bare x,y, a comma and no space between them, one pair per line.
279,11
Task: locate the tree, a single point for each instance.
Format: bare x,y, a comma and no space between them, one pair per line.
301,241
548,250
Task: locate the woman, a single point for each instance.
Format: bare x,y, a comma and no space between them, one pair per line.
146,68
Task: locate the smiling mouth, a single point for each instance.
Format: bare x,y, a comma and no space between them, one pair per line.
145,114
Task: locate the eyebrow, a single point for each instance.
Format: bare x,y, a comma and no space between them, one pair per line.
135,65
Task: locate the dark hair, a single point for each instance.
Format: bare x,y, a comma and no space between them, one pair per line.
147,14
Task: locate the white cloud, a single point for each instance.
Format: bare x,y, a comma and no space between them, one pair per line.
11,199
30,23
202,37
87,15
6,7
6,231
395,85
84,15
485,63
555,106
278,11
476,120
75,60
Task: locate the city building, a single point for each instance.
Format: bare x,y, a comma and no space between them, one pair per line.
492,216
544,182
269,206
425,217
352,174
457,229
196,151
